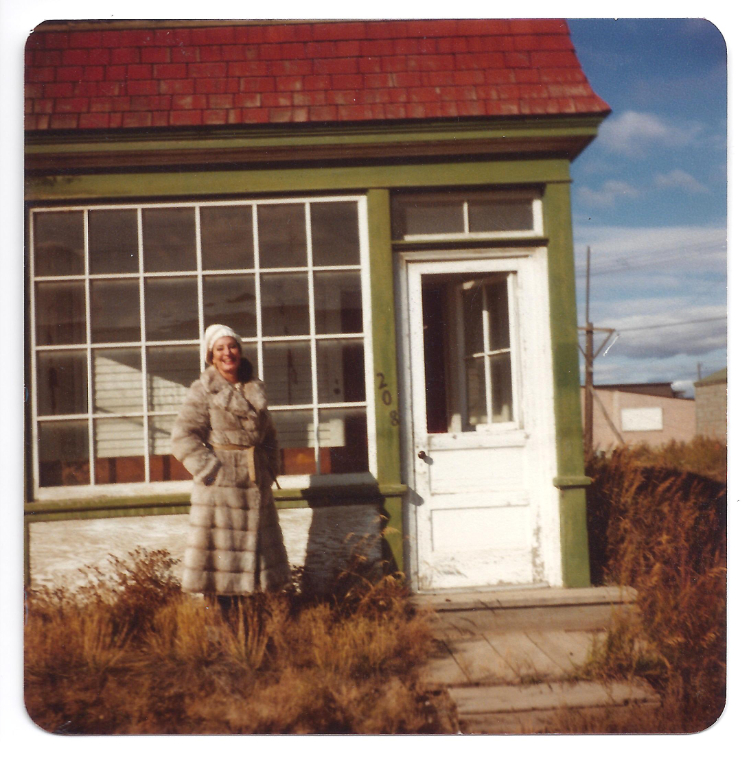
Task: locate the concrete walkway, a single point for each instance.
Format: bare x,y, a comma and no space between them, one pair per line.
506,657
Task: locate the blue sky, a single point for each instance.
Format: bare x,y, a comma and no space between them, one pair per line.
650,196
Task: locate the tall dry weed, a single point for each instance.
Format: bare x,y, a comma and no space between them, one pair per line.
662,530
130,653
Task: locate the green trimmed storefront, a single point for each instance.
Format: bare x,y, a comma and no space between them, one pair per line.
406,180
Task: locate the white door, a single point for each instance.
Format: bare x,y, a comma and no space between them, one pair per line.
482,438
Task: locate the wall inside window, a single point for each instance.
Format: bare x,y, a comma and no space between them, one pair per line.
120,297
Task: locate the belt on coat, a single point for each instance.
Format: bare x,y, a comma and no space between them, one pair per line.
250,458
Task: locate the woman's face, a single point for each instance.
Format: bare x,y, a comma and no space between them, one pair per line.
226,356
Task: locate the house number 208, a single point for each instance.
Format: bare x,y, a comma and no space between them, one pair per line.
386,397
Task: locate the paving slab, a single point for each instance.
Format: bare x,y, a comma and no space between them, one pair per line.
554,695
479,660
567,649
523,657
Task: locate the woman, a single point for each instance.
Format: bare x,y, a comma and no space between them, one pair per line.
225,438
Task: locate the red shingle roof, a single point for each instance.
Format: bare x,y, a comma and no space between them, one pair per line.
302,72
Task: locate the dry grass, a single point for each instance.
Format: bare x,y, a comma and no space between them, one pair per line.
131,654
662,530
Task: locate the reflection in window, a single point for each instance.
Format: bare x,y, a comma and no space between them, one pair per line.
295,431
118,451
118,383
61,383
285,303
341,371
115,311
169,239
227,237
63,453
171,309
117,337
335,234
58,244
287,368
230,300
171,371
113,241
467,351
487,351
338,302
282,240
343,440
461,213
60,313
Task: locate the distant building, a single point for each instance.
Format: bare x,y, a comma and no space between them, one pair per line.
640,413
711,405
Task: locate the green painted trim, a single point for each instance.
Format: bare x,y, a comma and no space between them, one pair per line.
308,134
566,383
571,482
107,503
574,538
385,364
154,505
244,183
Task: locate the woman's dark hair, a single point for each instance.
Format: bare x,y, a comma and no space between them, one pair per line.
245,371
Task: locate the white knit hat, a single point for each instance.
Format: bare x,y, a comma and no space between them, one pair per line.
216,331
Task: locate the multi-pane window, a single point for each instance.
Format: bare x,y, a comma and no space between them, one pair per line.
465,214
121,296
469,330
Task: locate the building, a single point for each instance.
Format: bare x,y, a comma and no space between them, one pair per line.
640,413
382,210
711,405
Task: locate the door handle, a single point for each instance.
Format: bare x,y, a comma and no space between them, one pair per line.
422,455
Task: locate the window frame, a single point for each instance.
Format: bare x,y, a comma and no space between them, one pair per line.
90,417
510,195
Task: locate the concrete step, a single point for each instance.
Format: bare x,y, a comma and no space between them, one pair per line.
501,709
510,598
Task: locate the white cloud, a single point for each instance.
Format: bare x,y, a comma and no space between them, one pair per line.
609,193
623,248
662,289
680,179
633,133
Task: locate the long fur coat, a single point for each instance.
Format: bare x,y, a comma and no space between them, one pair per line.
235,545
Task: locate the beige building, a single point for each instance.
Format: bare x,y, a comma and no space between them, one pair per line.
711,405
641,413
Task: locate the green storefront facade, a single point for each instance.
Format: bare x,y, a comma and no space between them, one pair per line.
448,208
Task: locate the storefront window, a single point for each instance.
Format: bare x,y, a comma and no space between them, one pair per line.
121,295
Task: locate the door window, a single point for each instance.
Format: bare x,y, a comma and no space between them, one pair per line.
468,323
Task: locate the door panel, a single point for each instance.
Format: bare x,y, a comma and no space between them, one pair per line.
474,466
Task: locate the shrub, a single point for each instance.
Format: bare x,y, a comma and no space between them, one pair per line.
662,530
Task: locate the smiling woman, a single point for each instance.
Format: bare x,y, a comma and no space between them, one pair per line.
226,439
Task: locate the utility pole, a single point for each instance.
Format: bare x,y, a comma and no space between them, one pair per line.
588,409
589,355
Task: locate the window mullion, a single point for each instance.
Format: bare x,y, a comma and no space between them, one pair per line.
511,286
199,276
313,342
89,353
486,352
34,392
258,302
144,374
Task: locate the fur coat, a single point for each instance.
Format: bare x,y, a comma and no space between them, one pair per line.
235,545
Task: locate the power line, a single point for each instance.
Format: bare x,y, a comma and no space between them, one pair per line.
672,324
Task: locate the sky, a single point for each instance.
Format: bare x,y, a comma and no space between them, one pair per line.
650,198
